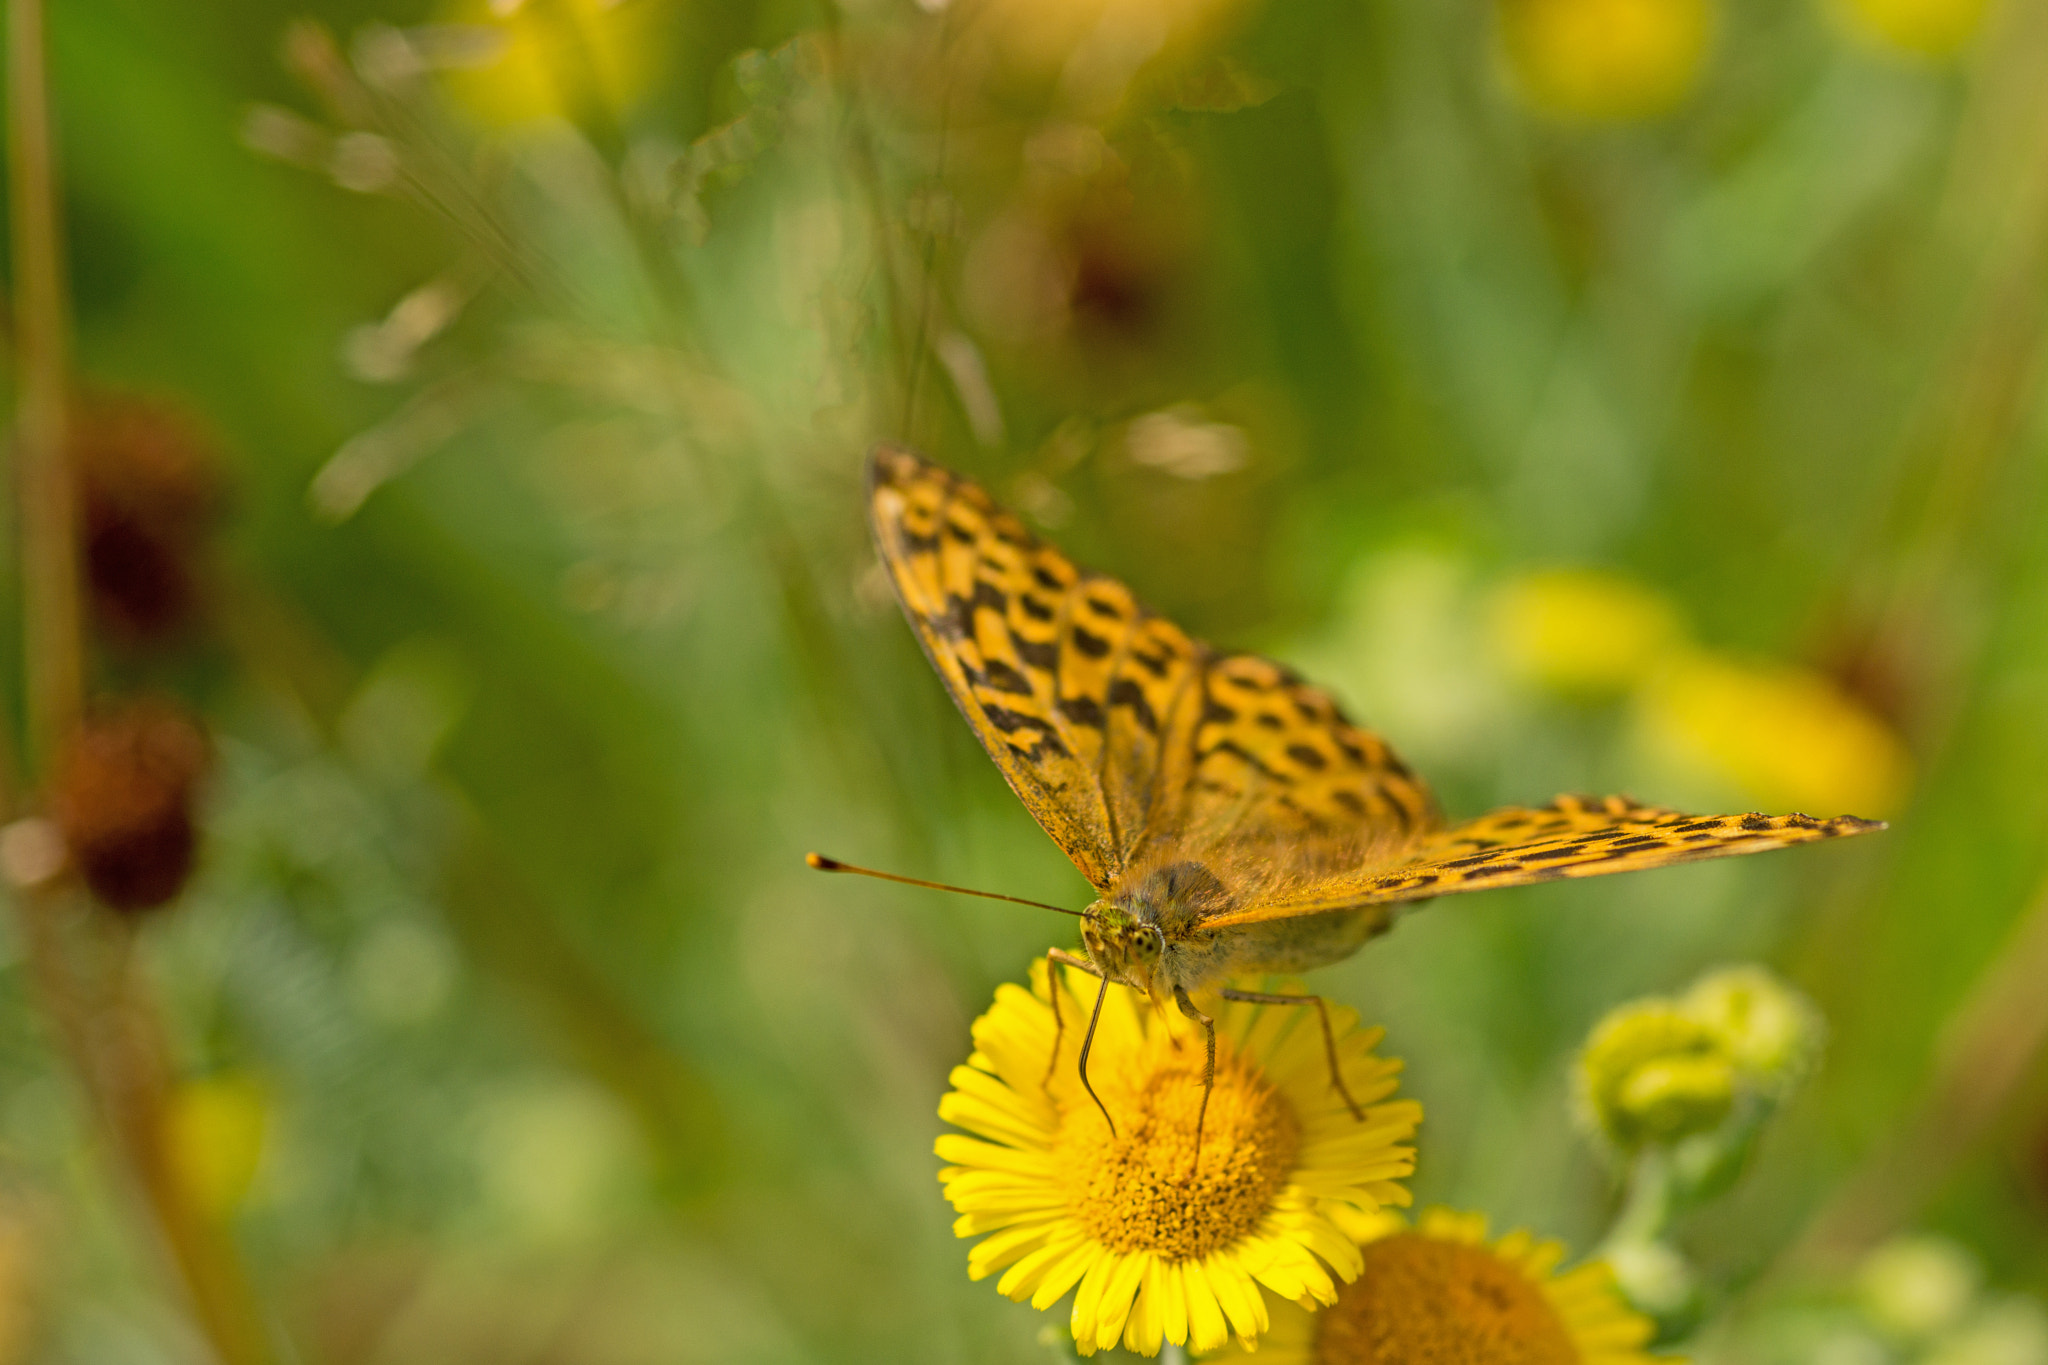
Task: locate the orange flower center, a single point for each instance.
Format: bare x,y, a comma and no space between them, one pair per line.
1142,1190
1420,1301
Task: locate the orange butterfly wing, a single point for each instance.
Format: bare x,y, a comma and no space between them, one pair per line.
1574,836
1131,742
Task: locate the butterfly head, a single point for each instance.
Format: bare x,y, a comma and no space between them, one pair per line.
1136,933
1125,945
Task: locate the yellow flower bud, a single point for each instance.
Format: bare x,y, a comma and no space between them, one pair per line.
1582,630
1771,1031
1672,1097
1605,59
1651,1072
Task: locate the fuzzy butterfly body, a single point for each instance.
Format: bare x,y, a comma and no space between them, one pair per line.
1230,818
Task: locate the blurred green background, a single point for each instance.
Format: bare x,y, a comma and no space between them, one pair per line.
1631,395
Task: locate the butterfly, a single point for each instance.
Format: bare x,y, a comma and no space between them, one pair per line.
1229,817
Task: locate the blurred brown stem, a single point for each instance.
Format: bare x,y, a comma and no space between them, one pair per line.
49,546
1986,1051
82,965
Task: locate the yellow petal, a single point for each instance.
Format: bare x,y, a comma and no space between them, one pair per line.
1206,1326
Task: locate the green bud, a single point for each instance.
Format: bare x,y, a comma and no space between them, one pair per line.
2009,1331
1651,1072
1655,1279
1770,1031
1914,1287
1673,1097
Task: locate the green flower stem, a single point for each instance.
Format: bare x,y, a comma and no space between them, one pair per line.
1647,1211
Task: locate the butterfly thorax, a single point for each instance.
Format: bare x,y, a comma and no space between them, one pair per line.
1150,933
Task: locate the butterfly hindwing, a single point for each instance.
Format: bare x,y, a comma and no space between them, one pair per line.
1080,695
1574,836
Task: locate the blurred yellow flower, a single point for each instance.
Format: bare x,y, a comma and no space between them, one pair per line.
1156,1248
1651,1072
1923,28
1787,735
1440,1292
213,1136
558,58
1605,59
1049,32
1582,630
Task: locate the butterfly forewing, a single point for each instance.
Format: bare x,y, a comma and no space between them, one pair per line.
1275,758
1574,836
1085,701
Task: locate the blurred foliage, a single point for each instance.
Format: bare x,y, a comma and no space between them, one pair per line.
1441,350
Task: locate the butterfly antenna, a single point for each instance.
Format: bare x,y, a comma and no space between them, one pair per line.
824,864
1089,1042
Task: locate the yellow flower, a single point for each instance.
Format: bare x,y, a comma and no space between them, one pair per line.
1788,735
558,58
1923,28
1441,1294
1583,630
214,1132
1605,59
1156,1247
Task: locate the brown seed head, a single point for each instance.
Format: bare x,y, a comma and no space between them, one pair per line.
123,799
148,492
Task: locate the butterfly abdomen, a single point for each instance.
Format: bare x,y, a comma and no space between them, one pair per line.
1301,943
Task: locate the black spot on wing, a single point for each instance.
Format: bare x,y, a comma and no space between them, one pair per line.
1124,692
1004,678
1499,869
1232,748
1082,711
1009,722
986,594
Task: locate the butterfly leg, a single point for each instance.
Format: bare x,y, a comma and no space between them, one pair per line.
1060,955
1329,1035
1059,1024
1187,1007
